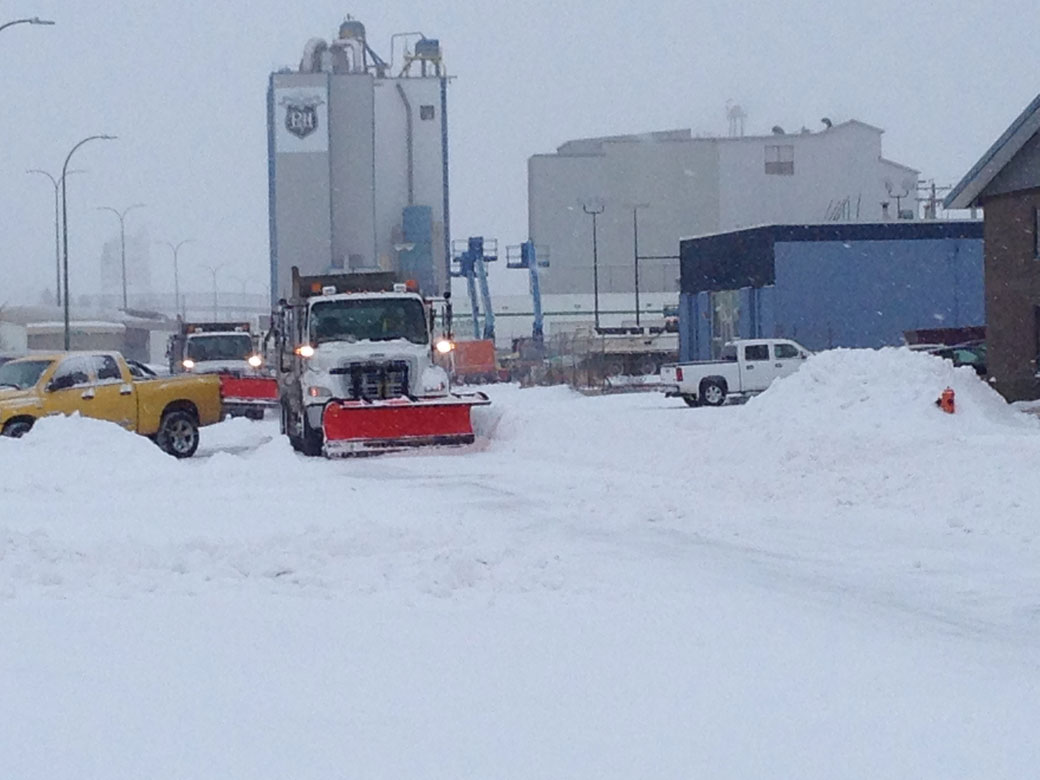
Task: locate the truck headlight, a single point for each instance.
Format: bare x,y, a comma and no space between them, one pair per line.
317,391
255,361
305,350
188,364
444,346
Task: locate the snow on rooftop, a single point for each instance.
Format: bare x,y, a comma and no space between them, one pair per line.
75,325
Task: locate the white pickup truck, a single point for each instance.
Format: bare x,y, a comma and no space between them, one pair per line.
745,367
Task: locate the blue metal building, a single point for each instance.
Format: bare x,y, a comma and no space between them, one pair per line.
831,285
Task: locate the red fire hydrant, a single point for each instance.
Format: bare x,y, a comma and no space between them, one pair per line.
945,401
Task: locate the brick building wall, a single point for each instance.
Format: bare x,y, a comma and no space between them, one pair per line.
1012,278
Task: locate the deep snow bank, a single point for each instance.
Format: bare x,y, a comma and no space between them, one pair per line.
886,390
851,450
66,454
513,410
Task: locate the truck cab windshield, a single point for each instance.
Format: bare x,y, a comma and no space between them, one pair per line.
220,346
369,319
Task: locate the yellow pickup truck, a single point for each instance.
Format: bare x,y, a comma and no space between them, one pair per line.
169,410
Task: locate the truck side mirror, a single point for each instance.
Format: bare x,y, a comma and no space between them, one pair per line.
284,341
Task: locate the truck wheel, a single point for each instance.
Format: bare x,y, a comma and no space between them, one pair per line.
648,366
283,418
287,428
16,429
312,441
712,392
178,434
691,400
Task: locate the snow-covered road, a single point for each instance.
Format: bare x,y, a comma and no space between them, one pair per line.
834,580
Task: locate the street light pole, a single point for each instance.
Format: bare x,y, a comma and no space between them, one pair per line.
242,283
121,215
213,269
65,227
176,248
594,212
57,230
243,300
34,20
635,251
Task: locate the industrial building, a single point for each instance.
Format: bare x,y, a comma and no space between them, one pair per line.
138,335
358,161
829,285
640,193
606,212
1005,182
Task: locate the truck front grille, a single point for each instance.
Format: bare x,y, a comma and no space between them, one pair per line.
374,381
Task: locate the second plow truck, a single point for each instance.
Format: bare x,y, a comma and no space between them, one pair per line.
357,363
230,350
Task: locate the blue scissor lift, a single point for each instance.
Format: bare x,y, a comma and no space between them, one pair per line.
526,255
469,261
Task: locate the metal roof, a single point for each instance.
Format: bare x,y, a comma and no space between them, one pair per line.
745,257
892,230
966,193
587,145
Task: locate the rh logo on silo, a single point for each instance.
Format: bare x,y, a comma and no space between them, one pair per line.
301,115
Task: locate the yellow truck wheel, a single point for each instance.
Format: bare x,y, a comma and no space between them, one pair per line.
16,429
178,434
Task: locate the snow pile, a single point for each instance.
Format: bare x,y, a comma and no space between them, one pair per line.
746,570
235,433
888,390
526,406
68,454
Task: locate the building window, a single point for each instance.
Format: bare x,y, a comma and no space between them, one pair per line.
426,112
780,160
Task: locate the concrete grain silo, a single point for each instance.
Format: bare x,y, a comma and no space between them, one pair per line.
358,161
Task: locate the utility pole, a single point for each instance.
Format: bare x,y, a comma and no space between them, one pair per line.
594,212
931,197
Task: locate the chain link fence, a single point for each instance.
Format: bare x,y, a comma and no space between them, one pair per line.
586,361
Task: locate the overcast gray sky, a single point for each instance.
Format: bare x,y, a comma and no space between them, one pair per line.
183,82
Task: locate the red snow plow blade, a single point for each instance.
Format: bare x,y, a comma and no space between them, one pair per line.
352,427
249,388
248,396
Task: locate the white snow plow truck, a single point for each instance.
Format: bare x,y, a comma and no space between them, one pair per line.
356,361
230,350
